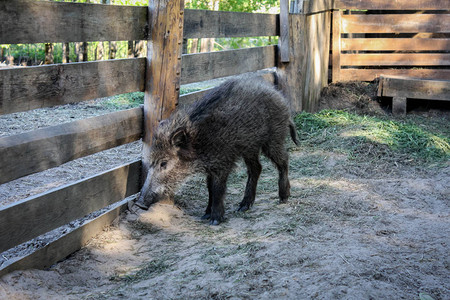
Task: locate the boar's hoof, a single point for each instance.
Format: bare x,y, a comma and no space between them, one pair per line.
243,207
283,201
141,205
214,222
206,217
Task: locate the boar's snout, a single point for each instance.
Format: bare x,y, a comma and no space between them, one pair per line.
147,198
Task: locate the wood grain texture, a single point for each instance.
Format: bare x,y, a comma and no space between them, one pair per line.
371,74
395,44
396,59
66,244
336,46
190,98
36,87
393,5
163,71
27,21
316,6
396,23
284,39
39,214
205,66
219,24
41,149
406,87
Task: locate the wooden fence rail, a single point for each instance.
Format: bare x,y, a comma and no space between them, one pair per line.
403,37
36,87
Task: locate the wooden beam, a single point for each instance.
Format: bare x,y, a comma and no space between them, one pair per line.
190,98
284,31
336,46
317,6
38,150
27,21
392,5
67,244
395,44
406,87
164,51
371,74
206,66
220,24
396,59
396,23
27,219
36,87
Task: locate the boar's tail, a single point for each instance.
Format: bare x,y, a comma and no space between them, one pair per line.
293,132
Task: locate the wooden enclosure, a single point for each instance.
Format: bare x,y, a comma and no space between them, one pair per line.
159,75
374,37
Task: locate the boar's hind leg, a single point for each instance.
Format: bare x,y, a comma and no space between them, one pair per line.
253,171
218,186
279,156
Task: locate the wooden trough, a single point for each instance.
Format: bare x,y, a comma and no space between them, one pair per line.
401,88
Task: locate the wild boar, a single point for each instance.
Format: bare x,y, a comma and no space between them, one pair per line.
239,118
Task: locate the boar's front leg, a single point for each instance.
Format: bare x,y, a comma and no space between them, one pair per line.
217,185
207,214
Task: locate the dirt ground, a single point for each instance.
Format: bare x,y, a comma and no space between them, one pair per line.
351,230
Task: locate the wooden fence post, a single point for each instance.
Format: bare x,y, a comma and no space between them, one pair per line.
163,70
336,47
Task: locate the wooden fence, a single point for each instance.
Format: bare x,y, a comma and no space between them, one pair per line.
159,75
404,37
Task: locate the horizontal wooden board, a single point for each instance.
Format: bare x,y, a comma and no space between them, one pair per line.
396,59
190,98
395,23
42,86
41,149
415,88
371,74
393,5
395,44
219,24
39,214
206,66
316,6
66,244
28,21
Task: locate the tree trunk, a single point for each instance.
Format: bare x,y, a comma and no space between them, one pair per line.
49,54
65,53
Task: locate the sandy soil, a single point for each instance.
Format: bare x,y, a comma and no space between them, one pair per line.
349,231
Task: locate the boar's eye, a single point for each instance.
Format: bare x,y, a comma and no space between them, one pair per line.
163,165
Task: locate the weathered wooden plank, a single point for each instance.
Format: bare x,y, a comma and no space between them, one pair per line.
393,5
392,44
38,150
396,59
371,74
396,23
22,221
205,66
219,24
336,46
163,71
317,6
66,244
27,21
190,98
284,39
399,106
35,87
406,87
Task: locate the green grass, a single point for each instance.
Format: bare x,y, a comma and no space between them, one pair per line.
131,100
362,137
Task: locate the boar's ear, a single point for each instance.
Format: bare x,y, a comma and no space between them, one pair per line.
180,138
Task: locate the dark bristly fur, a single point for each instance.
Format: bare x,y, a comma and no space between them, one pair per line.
239,118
